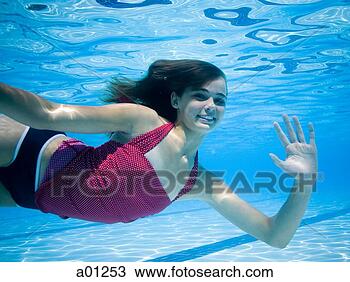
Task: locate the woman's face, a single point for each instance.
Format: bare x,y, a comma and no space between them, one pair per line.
202,109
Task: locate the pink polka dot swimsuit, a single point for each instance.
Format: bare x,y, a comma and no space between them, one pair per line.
110,183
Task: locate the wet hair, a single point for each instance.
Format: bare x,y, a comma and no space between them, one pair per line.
161,79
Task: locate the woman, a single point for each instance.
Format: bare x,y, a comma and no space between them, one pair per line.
156,124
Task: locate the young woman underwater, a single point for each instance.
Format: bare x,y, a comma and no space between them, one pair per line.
156,125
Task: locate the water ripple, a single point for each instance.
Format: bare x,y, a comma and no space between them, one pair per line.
288,2
124,4
242,18
279,37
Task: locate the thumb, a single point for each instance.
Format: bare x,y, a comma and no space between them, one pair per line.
276,160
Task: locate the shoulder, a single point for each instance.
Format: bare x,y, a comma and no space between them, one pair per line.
148,120
144,114
140,117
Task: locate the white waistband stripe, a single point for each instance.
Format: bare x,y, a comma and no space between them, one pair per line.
37,170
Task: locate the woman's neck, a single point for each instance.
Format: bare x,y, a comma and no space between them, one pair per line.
188,141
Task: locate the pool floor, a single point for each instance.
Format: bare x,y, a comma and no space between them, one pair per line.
186,231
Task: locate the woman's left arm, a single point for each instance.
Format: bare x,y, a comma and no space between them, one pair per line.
277,230
301,163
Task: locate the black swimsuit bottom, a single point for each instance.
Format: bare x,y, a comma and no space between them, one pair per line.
19,177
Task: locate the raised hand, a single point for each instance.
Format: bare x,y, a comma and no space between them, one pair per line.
301,156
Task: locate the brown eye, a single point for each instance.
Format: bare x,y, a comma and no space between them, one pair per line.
220,102
200,96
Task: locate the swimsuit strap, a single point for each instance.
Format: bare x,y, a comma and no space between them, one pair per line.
147,141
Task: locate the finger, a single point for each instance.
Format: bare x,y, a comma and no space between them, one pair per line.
276,160
300,132
312,134
292,136
281,134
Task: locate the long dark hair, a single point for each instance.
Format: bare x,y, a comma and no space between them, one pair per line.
162,78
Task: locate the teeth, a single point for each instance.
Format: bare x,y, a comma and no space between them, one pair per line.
206,118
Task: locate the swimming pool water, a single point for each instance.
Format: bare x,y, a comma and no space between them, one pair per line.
280,56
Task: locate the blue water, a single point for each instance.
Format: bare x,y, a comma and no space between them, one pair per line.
280,56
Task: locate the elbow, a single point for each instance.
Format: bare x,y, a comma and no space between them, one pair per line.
278,244
273,239
277,241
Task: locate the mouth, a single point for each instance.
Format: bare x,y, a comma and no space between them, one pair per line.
206,119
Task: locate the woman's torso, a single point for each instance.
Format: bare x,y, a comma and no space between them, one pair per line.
166,156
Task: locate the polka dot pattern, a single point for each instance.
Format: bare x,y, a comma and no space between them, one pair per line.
110,183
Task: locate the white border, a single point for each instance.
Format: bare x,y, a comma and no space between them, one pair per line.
37,170
184,271
19,143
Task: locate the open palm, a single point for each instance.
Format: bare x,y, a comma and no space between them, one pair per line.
301,156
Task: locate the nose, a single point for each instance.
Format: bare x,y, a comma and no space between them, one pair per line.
210,105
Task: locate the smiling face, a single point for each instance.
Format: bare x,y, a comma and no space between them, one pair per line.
201,109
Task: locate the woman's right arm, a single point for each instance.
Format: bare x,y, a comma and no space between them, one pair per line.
22,106
37,112
211,189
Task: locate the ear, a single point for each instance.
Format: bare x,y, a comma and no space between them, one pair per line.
174,100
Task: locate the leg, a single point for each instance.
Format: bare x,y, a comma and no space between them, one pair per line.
10,133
